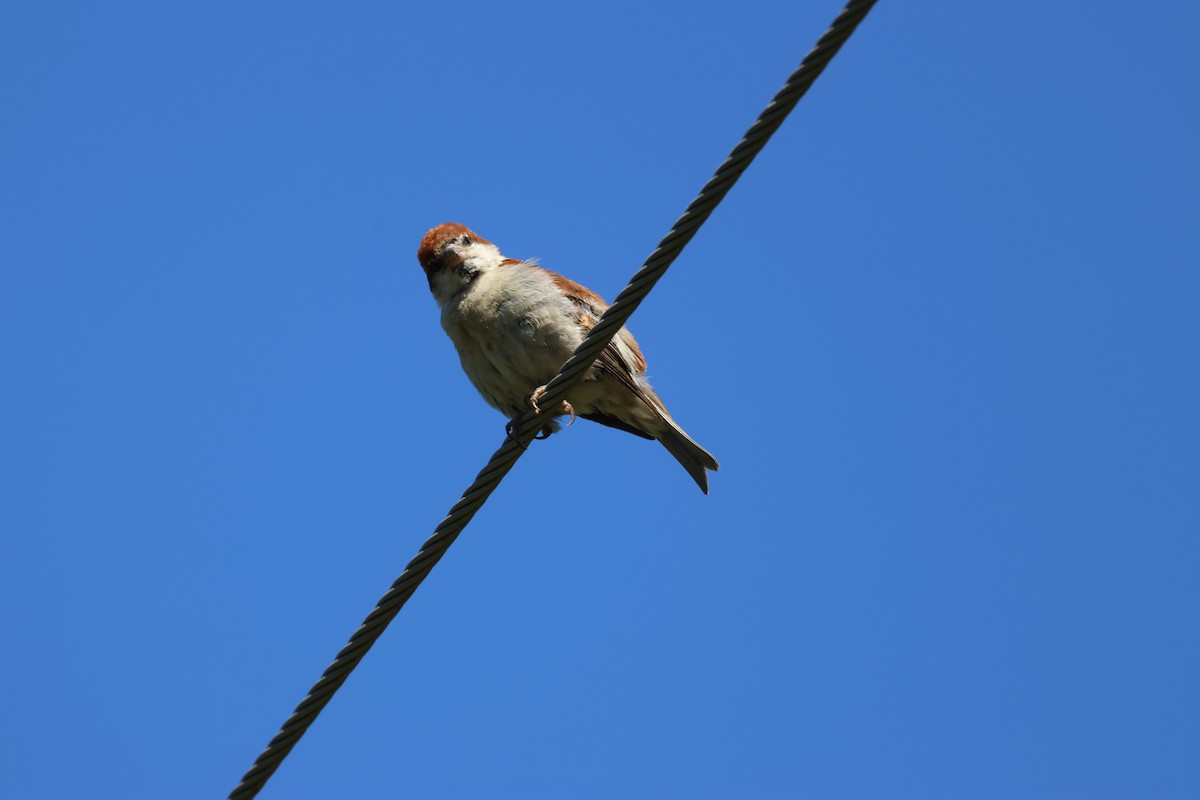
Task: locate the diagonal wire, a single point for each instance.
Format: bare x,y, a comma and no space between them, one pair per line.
572,371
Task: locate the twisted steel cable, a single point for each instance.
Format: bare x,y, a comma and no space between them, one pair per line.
571,372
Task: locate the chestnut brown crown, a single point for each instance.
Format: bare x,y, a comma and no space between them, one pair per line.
436,241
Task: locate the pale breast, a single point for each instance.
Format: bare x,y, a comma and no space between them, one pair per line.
513,330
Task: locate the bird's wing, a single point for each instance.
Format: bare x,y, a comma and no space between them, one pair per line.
621,358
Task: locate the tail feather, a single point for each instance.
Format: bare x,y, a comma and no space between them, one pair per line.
694,458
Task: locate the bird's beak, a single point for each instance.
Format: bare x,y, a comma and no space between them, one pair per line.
452,256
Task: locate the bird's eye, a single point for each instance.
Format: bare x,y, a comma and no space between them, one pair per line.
466,240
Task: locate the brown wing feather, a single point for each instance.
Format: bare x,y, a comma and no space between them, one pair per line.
591,306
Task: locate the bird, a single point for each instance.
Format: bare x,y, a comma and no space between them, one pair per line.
514,324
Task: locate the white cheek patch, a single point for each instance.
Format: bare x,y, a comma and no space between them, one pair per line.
481,257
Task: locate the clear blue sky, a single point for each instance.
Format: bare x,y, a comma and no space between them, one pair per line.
942,337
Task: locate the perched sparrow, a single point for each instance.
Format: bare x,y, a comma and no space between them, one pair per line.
514,324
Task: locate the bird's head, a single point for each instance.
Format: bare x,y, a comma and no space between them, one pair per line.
452,256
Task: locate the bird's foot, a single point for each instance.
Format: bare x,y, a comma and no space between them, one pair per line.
513,428
563,408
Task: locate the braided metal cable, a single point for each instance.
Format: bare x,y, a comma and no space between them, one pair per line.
571,372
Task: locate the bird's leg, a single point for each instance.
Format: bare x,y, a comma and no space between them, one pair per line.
566,407
513,428
539,393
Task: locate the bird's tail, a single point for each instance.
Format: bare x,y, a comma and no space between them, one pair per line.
694,458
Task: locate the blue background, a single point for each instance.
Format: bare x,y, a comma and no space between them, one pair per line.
942,338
